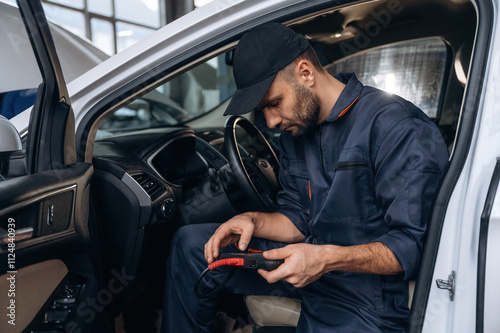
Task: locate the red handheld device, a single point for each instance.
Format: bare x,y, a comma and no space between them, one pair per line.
244,260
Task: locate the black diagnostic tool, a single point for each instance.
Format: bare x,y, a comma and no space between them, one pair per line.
243,259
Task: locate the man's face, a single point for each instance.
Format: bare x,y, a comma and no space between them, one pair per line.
291,107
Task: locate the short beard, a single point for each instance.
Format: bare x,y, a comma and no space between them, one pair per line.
306,109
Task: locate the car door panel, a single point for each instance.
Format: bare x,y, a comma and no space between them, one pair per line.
54,205
46,276
50,260
47,203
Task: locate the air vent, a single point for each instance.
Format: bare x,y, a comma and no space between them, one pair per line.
151,186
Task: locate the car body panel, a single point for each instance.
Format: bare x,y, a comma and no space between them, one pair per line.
491,320
458,250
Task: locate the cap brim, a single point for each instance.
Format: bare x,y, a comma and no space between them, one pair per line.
246,99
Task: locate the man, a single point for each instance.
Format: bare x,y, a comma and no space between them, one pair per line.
358,171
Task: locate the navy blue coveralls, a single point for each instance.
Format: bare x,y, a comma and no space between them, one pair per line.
367,175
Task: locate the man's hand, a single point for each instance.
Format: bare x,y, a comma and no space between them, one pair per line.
304,263
238,229
241,228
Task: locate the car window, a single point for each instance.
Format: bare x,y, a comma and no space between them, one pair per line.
413,70
185,97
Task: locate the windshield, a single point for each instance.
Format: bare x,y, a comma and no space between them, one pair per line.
185,97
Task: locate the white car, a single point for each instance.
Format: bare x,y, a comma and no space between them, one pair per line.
103,182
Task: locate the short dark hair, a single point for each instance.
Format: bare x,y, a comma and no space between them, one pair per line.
287,73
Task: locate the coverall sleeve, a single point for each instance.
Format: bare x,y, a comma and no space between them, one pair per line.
410,159
290,201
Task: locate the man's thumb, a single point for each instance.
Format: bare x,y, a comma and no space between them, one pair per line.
275,254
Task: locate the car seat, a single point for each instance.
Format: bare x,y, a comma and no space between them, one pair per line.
9,137
12,155
281,314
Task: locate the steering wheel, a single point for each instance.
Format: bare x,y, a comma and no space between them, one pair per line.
256,172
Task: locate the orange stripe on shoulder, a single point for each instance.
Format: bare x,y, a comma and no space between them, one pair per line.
347,108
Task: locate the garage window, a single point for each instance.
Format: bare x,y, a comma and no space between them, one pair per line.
413,70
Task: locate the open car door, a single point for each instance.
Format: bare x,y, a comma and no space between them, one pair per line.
48,255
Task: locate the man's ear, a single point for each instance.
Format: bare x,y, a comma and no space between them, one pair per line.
304,73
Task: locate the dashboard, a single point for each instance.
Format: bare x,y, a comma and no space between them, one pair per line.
149,183
168,164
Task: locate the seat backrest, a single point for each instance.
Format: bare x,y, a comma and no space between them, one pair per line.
10,139
12,155
411,290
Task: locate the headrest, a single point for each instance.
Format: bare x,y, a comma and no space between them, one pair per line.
9,137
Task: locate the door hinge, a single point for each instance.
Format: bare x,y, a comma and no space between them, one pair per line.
448,284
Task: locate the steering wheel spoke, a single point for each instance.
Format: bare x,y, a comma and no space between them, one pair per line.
256,175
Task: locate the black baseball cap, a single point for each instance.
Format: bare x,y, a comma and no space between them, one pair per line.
258,57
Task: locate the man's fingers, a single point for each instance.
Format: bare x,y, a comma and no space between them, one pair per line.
273,276
215,246
205,252
209,255
245,238
212,247
264,274
228,233
275,254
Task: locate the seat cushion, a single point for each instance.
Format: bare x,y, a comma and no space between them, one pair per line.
283,311
273,310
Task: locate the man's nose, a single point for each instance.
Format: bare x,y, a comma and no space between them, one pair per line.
272,118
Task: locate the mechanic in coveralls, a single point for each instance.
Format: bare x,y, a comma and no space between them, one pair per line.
358,171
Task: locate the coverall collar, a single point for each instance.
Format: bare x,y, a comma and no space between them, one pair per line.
348,97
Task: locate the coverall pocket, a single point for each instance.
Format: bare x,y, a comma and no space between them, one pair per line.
351,194
349,165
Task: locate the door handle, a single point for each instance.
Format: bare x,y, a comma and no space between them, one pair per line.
17,236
